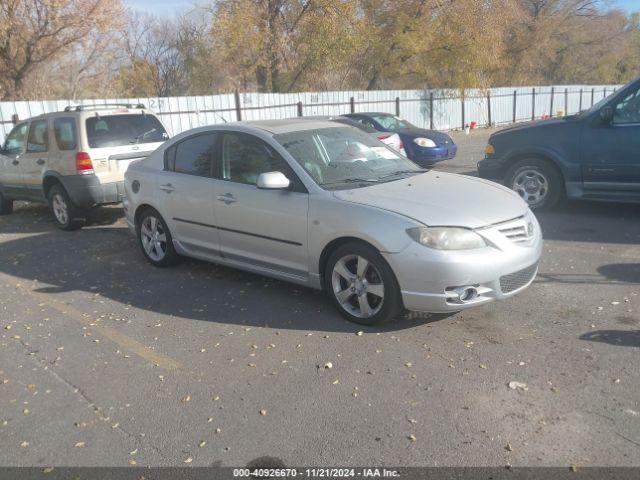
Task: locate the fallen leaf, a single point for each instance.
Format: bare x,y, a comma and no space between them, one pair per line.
328,365
263,412
412,437
79,444
188,460
513,385
360,333
202,444
24,444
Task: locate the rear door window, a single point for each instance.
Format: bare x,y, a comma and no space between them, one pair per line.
38,139
117,130
194,156
64,130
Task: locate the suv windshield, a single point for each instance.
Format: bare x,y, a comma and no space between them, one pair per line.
344,157
391,123
118,130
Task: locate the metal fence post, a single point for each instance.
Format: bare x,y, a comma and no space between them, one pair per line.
397,106
515,101
593,93
533,104
566,102
551,106
489,107
464,123
580,107
299,109
352,105
431,110
236,97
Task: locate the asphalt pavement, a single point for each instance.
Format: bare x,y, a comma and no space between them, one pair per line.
107,361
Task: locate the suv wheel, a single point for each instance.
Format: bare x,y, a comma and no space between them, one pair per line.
65,213
155,239
362,285
536,181
6,205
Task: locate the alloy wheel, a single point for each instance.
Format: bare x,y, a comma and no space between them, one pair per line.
154,238
357,285
532,186
60,209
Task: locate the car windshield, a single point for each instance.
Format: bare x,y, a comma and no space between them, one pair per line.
118,130
392,123
344,157
596,106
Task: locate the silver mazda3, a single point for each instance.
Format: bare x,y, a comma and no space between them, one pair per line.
328,206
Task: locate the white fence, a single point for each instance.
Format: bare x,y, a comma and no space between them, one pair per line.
436,109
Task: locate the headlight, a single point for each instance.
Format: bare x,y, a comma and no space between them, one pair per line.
424,142
447,238
489,150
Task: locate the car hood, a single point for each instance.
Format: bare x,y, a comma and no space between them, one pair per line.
438,137
548,123
442,199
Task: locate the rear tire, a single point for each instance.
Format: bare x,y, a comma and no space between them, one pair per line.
362,285
6,205
155,239
67,215
537,182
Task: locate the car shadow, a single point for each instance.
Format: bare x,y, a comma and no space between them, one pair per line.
37,217
106,262
619,338
591,222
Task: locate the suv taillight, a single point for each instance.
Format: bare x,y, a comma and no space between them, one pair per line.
83,163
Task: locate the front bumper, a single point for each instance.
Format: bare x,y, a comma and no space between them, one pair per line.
427,156
491,169
87,191
429,279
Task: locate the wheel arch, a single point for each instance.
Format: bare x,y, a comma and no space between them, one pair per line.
332,246
50,179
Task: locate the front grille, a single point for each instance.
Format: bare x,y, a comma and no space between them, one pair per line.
516,232
514,281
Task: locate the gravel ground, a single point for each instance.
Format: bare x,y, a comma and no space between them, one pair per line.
107,361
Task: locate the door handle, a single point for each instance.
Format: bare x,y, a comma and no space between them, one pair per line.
40,161
167,188
227,198
15,162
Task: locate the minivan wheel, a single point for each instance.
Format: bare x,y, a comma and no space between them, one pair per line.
66,214
362,285
155,239
536,181
6,205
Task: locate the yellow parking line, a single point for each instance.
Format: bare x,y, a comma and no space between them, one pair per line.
115,336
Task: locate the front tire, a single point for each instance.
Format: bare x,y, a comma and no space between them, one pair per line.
66,214
155,239
362,285
537,181
6,205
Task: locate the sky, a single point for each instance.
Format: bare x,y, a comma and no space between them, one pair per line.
167,7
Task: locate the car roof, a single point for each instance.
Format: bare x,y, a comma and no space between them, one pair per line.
370,114
291,125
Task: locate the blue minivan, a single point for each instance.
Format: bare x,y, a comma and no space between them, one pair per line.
594,155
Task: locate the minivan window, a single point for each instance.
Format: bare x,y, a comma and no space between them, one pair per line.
194,156
64,130
14,144
628,109
38,140
118,130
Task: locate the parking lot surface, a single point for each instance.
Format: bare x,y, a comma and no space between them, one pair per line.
106,360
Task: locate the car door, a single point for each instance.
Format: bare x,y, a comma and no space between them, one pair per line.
262,228
34,161
187,193
10,157
611,152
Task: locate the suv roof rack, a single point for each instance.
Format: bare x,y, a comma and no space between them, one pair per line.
81,108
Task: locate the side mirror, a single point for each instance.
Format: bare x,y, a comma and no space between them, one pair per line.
272,181
606,114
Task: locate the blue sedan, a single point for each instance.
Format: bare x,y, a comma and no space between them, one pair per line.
424,147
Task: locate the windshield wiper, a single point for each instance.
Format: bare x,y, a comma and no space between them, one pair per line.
142,135
350,180
402,172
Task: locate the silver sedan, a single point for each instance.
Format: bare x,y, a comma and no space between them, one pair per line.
328,206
